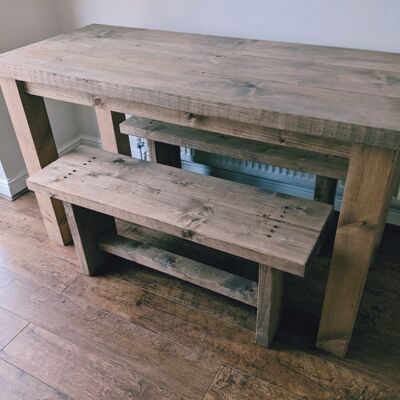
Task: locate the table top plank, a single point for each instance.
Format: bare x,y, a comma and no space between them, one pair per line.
345,94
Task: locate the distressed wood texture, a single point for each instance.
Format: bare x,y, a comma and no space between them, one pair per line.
373,172
225,126
312,98
111,137
200,274
244,149
227,216
86,227
184,248
269,304
349,95
32,127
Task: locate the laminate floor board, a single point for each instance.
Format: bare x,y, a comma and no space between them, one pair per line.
132,332
201,332
291,363
16,384
10,326
23,223
89,377
37,264
167,363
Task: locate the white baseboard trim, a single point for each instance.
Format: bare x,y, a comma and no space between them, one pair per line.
89,140
5,192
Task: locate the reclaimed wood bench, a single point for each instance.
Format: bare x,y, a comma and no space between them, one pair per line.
327,165
278,232
164,140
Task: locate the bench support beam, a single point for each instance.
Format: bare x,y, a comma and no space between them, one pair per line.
269,304
187,269
236,147
86,227
325,189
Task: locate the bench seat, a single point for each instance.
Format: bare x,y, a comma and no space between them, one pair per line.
326,165
249,222
277,231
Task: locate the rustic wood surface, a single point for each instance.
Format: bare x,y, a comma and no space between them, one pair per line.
308,97
86,227
133,331
244,149
248,222
214,124
187,249
215,279
111,138
350,95
35,138
373,172
269,304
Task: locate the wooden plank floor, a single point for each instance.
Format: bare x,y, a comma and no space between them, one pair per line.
134,333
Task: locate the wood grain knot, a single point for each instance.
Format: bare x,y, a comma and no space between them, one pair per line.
98,101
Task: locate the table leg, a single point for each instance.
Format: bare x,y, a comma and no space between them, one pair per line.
32,127
370,182
111,137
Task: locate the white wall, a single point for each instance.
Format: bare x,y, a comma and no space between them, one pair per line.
23,22
365,24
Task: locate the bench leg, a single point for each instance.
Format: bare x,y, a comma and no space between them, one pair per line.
269,304
325,189
86,227
164,153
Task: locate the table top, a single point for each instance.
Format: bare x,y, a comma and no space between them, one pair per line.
346,94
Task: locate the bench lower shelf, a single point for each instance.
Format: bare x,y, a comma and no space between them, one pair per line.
206,276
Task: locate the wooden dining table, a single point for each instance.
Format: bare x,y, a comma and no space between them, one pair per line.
333,101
